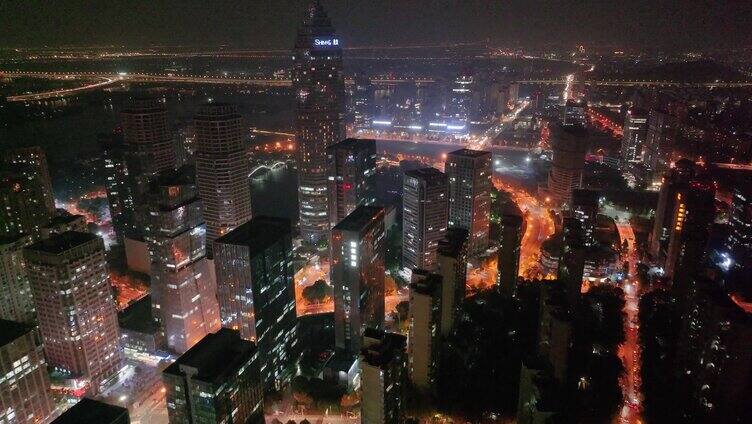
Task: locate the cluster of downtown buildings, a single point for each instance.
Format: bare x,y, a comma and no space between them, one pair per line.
222,281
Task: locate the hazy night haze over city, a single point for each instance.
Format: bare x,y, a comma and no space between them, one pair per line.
377,212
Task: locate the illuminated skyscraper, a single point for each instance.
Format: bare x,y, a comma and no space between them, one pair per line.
319,92
573,113
674,180
739,242
222,169
256,294
16,303
585,207
118,185
75,306
217,381
26,202
635,133
183,290
694,213
24,386
570,143
357,274
469,174
658,142
352,176
425,209
362,103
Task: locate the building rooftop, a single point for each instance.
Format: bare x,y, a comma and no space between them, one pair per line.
217,110
10,239
360,218
63,219
138,317
258,234
427,174
469,153
380,347
583,196
93,411
216,357
59,243
425,282
453,242
353,143
11,330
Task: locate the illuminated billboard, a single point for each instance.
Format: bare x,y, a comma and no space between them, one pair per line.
325,42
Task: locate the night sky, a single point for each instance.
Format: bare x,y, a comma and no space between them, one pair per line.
271,23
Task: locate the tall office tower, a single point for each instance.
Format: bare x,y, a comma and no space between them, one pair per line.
425,211
362,103
573,113
35,159
658,141
256,294
585,207
739,243
461,105
24,207
424,347
183,290
16,303
357,274
469,174
351,165
318,85
93,411
694,213
217,381
222,169
572,262
674,180
451,258
24,388
510,245
635,133
383,371
75,306
148,137
118,185
570,143
714,356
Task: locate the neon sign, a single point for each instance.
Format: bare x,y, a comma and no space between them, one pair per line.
325,42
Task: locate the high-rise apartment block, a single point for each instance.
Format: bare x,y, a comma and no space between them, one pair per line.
352,176
635,134
149,138
24,386
183,290
425,213
469,174
424,347
357,274
222,169
318,86
26,201
256,294
16,302
75,306
674,180
217,381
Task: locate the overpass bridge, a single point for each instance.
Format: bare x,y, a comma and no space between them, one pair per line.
646,83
